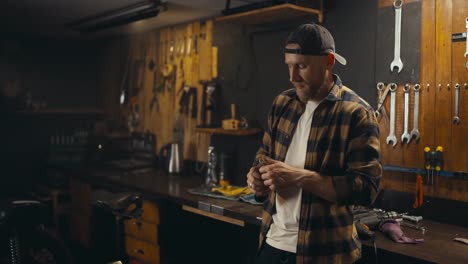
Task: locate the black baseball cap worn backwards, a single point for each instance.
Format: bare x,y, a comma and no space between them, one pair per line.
313,40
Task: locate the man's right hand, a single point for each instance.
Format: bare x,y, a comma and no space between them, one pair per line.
255,182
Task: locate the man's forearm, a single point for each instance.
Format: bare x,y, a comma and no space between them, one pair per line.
321,186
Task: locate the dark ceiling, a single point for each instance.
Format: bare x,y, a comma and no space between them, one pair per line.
50,17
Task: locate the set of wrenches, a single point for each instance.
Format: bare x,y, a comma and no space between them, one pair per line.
391,88
407,136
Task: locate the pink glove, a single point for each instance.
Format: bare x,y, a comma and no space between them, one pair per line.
391,228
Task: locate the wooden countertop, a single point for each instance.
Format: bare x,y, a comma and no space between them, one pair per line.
159,185
438,245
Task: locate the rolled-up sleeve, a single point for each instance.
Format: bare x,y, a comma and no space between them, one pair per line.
265,148
360,184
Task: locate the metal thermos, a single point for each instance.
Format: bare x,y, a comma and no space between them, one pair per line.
211,178
175,159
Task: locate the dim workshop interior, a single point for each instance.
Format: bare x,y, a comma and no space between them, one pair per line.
129,126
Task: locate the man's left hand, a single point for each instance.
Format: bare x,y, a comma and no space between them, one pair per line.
278,175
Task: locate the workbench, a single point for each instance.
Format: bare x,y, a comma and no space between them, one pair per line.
438,245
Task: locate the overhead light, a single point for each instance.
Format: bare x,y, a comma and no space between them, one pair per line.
117,17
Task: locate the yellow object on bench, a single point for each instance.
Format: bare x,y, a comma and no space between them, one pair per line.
231,191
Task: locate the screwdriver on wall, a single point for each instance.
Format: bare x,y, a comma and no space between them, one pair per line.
428,163
438,160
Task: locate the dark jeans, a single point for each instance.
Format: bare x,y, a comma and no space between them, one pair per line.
271,255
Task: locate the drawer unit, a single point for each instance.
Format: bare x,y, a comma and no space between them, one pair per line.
142,230
150,213
141,250
141,235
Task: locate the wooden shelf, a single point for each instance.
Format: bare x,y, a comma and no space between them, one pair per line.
220,131
270,14
65,111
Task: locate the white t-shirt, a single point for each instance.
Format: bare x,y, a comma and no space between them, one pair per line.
284,229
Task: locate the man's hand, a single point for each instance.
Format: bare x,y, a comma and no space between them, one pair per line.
255,182
278,175
254,179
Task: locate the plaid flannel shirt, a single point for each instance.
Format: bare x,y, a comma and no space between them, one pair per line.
343,144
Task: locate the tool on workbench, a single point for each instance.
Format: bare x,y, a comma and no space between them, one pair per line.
413,226
363,231
461,240
419,193
411,218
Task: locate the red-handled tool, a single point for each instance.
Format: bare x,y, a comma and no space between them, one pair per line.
418,193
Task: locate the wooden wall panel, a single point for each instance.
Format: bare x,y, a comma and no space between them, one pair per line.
427,92
192,73
402,154
442,62
459,142
188,49
205,73
443,104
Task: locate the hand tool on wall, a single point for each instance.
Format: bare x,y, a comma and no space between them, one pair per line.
418,193
396,59
438,160
382,96
415,132
124,83
154,101
187,99
466,50
141,68
456,118
406,135
428,161
391,136
195,44
210,103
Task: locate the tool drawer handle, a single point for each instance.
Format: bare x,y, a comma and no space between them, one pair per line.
139,251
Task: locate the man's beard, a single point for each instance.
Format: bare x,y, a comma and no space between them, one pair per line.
305,92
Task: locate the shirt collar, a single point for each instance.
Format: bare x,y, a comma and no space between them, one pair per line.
335,94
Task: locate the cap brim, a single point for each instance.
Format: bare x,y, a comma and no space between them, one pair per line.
340,58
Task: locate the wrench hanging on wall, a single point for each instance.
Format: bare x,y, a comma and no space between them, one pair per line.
406,136
456,118
382,96
466,50
415,132
396,58
391,136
